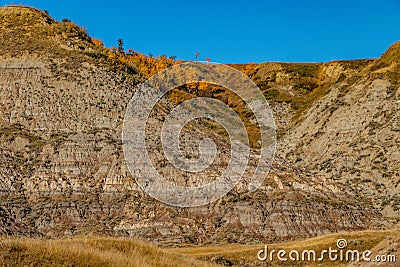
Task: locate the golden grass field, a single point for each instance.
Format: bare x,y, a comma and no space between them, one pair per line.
114,251
246,255
89,251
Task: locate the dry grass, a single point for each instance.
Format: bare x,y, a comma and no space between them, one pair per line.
246,255
392,54
113,251
88,251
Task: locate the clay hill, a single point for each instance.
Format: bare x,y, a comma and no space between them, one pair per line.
62,171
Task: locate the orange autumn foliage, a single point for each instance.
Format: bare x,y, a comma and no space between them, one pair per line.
97,42
147,66
250,69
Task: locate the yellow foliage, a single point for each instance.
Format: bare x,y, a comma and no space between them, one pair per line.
147,66
250,69
97,42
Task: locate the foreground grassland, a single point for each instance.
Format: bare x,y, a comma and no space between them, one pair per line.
382,242
109,251
89,251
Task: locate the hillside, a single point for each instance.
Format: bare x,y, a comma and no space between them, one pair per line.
62,170
352,134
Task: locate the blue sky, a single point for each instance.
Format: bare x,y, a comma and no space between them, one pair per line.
238,31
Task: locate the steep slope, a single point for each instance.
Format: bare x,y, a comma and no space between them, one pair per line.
292,88
61,163
352,134
391,56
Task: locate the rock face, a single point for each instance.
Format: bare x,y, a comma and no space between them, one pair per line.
62,170
352,135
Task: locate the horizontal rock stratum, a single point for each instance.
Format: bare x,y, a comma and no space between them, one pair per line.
62,170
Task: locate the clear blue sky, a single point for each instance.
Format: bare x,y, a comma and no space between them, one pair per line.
238,31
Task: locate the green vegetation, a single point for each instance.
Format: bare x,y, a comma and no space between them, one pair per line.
341,78
302,69
120,46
